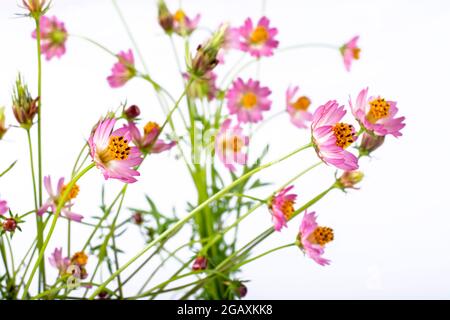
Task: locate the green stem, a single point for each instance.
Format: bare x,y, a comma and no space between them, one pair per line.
61,203
39,127
181,222
237,266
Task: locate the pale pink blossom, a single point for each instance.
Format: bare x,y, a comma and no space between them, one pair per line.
183,25
230,143
248,100
55,197
282,208
257,40
148,142
377,115
312,238
123,70
59,262
53,36
3,207
297,108
330,137
350,52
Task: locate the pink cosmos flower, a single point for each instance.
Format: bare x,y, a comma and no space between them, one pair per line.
298,108
53,37
183,25
55,198
259,41
57,261
123,70
146,142
350,52
282,207
248,100
3,207
111,152
330,137
229,143
377,114
312,238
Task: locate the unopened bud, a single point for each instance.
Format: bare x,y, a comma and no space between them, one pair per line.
165,18
200,263
137,218
242,290
9,225
349,179
369,143
37,8
206,57
3,127
132,112
24,106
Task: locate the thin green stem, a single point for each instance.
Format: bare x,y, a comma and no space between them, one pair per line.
237,266
39,127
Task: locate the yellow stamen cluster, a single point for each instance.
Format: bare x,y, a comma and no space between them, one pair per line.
302,103
117,149
234,144
249,100
379,108
287,208
179,15
322,235
344,133
150,126
73,193
259,35
79,258
356,52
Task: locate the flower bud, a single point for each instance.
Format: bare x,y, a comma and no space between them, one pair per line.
132,112
241,290
137,218
3,127
369,143
206,57
9,225
200,263
165,18
349,179
37,8
103,295
24,106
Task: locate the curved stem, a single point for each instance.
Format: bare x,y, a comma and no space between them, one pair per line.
61,203
237,266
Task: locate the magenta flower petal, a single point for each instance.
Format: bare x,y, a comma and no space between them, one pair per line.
230,143
282,208
123,70
53,37
297,108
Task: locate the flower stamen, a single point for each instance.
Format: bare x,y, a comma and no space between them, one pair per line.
302,103
150,126
379,109
321,236
249,100
73,193
345,134
259,35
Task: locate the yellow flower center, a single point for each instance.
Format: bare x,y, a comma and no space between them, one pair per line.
356,52
79,258
259,35
150,126
288,209
73,193
179,15
249,100
321,236
117,149
344,134
379,108
301,104
234,144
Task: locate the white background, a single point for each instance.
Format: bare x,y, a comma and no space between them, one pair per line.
391,237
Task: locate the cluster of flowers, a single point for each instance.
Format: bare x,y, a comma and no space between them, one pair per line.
118,152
